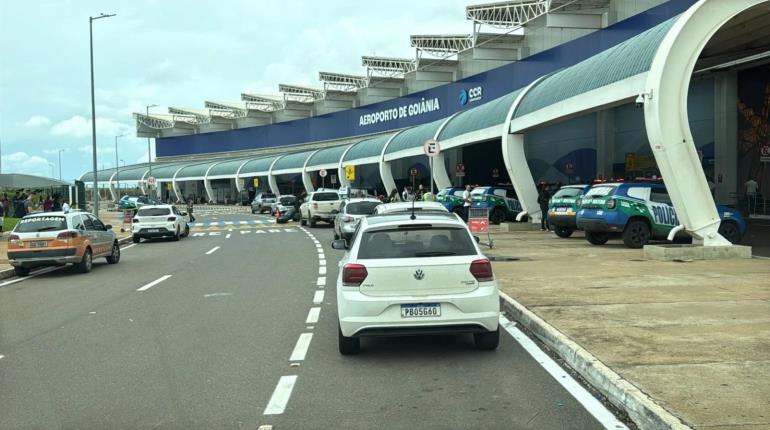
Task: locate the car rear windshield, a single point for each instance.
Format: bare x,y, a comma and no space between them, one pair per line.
153,212
415,242
361,208
288,200
600,191
41,223
567,192
268,196
325,197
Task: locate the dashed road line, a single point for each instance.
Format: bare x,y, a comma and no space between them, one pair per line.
281,395
300,349
227,236
321,281
153,283
322,262
318,297
312,315
126,247
321,270
38,273
1,356
212,250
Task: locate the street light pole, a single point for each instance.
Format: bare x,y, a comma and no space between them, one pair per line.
60,151
91,20
117,166
149,153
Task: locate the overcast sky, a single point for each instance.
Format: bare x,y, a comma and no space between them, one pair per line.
176,53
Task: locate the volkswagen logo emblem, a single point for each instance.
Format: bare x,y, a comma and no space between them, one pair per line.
419,274
463,99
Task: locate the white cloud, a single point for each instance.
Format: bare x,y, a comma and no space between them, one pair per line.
37,121
21,162
80,127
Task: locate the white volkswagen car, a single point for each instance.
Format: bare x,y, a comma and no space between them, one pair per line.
159,221
402,276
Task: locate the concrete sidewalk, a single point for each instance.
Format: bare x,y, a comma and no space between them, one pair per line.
695,336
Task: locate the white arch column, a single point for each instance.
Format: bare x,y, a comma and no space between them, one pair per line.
386,173
271,180
666,120
175,185
307,181
516,163
207,183
143,184
110,185
341,169
440,174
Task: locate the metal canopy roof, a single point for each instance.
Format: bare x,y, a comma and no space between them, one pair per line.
166,172
293,161
387,66
227,167
506,14
194,170
133,172
258,165
487,115
300,94
629,58
20,180
367,148
414,137
327,156
262,103
101,175
440,45
342,82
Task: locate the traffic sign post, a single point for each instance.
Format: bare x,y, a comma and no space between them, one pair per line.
151,181
764,153
432,149
460,172
333,179
322,173
350,173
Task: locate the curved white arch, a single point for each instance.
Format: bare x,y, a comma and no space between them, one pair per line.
307,181
207,183
238,175
440,174
113,193
516,162
142,184
175,185
271,181
386,174
341,169
666,120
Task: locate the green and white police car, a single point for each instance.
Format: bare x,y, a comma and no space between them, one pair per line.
562,209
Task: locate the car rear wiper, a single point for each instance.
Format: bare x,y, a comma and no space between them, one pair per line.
48,228
434,253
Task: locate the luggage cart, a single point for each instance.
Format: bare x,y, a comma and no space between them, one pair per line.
128,220
478,222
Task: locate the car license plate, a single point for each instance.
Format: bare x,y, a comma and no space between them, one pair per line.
154,230
419,310
561,210
38,244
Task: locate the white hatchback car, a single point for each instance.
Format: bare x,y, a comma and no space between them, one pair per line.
350,212
403,276
159,221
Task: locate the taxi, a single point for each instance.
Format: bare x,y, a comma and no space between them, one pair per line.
59,238
562,209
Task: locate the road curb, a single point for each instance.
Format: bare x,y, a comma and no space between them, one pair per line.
8,273
642,409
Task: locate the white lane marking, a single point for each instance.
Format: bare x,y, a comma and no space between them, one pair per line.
228,223
215,233
243,222
589,402
321,281
312,315
153,283
322,270
1,356
126,247
38,273
321,256
212,250
316,241
318,297
322,262
281,395
273,230
198,234
300,349
227,236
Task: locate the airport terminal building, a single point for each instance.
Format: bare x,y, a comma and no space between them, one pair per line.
540,90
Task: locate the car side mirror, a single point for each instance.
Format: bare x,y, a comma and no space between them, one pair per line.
340,244
107,227
477,239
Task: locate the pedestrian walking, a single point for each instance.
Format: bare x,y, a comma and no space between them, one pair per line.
190,208
542,199
2,215
393,197
466,202
65,207
48,204
56,203
752,187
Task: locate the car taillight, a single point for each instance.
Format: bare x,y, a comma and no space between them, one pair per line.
315,205
353,274
171,218
482,270
66,235
347,219
135,220
611,204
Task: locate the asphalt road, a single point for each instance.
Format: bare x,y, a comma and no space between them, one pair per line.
226,339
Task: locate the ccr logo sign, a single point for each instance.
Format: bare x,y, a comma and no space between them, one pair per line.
470,95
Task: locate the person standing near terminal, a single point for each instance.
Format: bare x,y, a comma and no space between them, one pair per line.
190,208
65,207
752,187
2,213
542,199
466,202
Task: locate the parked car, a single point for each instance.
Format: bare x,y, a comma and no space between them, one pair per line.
562,209
318,206
452,199
639,212
262,202
350,213
283,204
407,207
501,202
403,276
135,202
159,221
59,238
